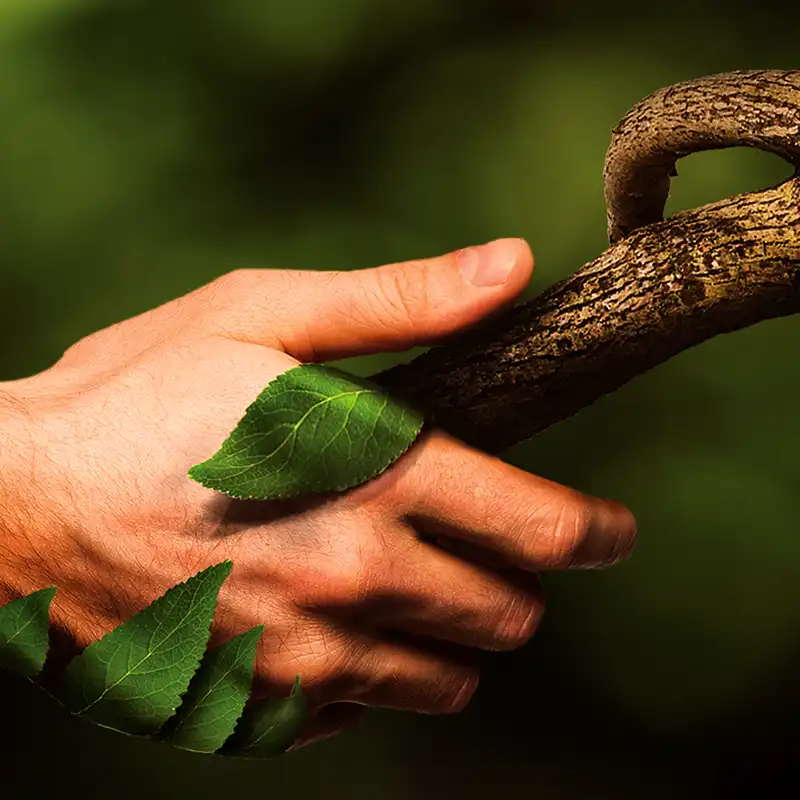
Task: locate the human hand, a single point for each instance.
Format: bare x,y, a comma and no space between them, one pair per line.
354,594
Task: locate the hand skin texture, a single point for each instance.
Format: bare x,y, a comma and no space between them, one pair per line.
355,593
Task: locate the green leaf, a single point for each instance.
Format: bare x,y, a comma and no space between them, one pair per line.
313,429
24,625
270,727
216,696
132,680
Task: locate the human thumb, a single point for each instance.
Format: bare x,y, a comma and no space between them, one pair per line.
324,316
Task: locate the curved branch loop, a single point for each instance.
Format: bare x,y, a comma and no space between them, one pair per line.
759,108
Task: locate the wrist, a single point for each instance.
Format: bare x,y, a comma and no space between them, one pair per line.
18,552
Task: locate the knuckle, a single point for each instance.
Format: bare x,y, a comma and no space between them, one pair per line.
73,354
347,577
235,289
237,305
557,531
322,657
454,693
341,589
235,281
401,300
81,350
223,292
518,624
570,529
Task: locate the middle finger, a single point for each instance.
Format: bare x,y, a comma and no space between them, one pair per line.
450,489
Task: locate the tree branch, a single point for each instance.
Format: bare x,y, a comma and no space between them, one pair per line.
662,287
758,109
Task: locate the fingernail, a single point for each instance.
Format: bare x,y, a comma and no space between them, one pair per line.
489,264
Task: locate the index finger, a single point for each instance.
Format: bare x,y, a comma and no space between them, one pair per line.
448,488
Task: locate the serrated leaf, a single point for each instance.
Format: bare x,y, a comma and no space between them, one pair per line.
216,696
313,429
24,626
132,679
270,727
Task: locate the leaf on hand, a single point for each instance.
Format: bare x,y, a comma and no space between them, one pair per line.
313,429
132,679
24,626
216,696
270,727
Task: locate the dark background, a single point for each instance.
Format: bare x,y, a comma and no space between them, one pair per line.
149,146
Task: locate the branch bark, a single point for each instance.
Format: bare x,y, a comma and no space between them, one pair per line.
662,287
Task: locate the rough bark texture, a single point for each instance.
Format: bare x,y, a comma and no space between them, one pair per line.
759,109
662,286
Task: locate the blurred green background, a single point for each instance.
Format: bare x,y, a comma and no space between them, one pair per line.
148,146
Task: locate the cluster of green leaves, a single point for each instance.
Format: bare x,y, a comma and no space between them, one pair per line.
312,429
152,676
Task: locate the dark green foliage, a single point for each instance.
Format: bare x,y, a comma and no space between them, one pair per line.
24,633
133,679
